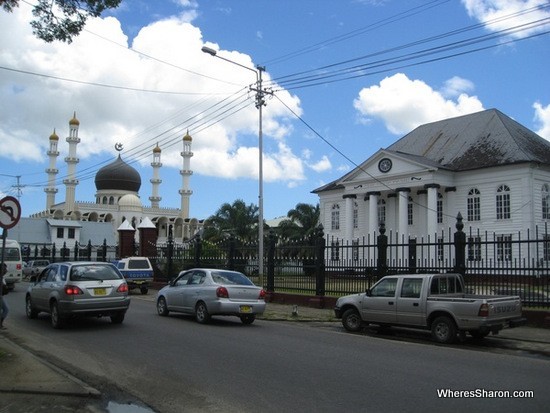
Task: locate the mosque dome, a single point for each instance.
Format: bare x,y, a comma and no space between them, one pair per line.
129,202
53,136
187,137
118,175
74,121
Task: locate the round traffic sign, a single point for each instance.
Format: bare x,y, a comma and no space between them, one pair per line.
10,212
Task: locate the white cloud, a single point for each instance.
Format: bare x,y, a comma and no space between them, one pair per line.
196,82
542,117
456,86
502,14
403,104
322,165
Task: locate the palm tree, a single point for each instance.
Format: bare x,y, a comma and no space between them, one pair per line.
302,222
238,219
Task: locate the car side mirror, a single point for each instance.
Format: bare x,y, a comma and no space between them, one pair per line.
367,292
33,279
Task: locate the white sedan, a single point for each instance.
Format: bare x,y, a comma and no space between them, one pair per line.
205,292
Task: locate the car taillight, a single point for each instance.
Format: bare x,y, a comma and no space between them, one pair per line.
123,288
73,290
18,266
483,310
222,292
262,294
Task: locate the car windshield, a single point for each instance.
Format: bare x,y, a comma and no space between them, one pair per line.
93,272
228,278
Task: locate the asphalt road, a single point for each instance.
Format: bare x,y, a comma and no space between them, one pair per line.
176,365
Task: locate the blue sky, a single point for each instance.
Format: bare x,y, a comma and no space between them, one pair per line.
360,74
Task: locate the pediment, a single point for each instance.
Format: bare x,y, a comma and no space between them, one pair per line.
386,166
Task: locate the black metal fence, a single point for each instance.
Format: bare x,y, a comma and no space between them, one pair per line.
80,252
491,263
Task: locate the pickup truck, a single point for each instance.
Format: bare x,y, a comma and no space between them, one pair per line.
137,271
435,302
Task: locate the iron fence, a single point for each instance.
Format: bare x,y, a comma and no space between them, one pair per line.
79,252
491,263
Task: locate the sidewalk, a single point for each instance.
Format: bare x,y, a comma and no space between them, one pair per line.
30,384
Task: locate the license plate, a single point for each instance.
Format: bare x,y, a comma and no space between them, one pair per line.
246,309
100,291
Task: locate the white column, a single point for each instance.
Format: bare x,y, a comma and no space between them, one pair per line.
431,211
403,222
349,199
373,212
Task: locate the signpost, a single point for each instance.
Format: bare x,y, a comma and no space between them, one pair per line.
10,213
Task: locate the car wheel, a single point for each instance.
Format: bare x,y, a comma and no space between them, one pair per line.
444,330
118,318
248,319
162,308
144,290
351,320
29,308
56,320
201,313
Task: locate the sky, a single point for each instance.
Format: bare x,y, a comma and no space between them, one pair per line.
343,78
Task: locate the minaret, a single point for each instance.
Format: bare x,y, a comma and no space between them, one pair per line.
186,172
71,182
51,190
156,181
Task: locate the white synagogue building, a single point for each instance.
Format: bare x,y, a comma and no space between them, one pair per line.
485,166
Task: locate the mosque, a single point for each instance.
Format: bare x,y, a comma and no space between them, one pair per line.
117,199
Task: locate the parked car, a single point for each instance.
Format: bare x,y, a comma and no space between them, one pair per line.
34,267
209,292
137,271
78,289
433,301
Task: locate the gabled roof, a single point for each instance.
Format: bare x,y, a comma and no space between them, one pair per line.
478,140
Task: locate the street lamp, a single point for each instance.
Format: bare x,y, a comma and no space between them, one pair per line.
260,102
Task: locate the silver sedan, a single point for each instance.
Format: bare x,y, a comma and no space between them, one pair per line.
73,289
205,292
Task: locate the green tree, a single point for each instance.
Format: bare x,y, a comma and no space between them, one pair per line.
238,219
62,19
302,223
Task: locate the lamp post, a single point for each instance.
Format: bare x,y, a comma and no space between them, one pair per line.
260,102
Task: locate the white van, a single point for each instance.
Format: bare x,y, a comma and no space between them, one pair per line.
12,258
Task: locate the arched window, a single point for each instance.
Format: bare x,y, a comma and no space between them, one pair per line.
335,217
474,205
503,202
111,200
381,211
104,200
545,201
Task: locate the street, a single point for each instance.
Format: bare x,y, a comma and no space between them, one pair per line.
174,364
